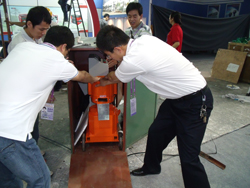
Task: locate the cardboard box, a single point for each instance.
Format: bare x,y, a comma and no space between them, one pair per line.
228,65
245,74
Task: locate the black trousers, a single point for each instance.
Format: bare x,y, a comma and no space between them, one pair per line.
64,7
35,132
180,118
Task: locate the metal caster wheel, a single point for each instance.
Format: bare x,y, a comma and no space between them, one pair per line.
120,134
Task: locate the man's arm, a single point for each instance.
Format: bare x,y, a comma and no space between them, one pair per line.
176,44
84,76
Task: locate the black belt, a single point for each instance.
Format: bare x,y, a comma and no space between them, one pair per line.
192,95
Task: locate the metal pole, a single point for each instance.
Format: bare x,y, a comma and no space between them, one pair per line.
2,36
7,19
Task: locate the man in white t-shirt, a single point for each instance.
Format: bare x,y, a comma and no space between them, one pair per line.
38,21
39,67
185,112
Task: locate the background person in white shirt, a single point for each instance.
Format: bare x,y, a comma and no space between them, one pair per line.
38,21
165,71
34,76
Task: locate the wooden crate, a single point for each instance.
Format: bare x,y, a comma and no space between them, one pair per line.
235,46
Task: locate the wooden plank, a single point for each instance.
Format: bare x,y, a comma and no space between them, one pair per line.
102,165
228,65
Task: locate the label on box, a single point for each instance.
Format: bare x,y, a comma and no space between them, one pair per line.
232,67
103,111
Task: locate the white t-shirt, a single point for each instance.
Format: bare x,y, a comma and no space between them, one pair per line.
27,76
22,36
160,67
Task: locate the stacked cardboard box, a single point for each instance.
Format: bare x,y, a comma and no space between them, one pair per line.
245,73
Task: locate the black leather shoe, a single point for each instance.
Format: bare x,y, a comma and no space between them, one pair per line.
141,172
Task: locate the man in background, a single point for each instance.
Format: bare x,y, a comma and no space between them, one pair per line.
65,8
138,28
37,23
104,21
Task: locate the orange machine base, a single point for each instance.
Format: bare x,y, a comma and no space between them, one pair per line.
101,165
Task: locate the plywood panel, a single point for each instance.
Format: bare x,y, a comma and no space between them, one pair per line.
101,165
228,65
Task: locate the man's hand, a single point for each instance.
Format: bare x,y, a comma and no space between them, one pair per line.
96,78
72,62
103,82
110,78
112,63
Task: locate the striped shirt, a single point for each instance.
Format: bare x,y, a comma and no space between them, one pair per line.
142,29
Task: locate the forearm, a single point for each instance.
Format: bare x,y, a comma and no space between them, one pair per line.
85,77
112,77
109,79
176,44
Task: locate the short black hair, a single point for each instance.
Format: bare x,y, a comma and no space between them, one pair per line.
105,15
134,6
177,17
58,35
110,37
38,14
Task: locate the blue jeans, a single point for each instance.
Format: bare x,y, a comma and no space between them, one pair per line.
22,161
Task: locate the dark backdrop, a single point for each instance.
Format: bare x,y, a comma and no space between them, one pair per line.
202,34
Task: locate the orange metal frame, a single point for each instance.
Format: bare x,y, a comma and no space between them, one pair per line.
102,130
